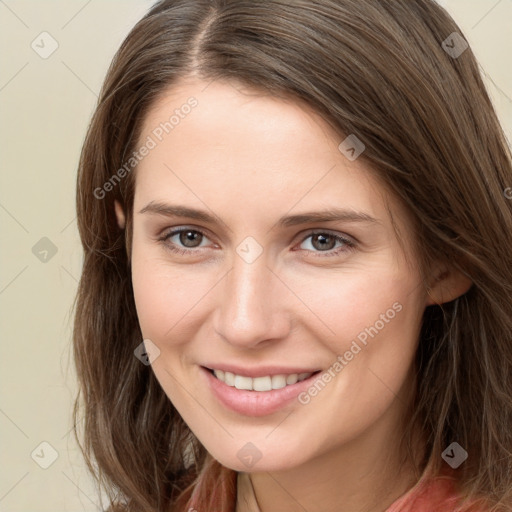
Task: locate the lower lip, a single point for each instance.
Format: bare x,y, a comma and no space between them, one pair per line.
255,403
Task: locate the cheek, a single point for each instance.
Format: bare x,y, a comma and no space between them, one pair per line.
370,323
376,320
378,332
355,303
166,297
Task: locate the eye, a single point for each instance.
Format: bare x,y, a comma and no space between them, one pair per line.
325,242
187,240
185,237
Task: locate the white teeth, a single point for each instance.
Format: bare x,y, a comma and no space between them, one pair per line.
292,379
229,378
259,383
262,384
278,381
243,382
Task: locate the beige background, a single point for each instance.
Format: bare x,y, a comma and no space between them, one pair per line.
45,106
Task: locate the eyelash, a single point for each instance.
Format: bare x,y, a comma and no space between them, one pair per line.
349,245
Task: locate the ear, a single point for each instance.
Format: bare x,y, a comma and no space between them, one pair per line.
121,221
447,285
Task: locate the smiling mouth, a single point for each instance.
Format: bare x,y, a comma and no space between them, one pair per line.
264,383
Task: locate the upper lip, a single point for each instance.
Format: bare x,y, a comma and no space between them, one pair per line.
260,371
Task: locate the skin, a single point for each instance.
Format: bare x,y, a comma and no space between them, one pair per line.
249,159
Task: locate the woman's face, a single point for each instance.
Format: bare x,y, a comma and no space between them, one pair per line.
258,284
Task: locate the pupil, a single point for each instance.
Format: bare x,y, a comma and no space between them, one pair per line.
323,238
188,238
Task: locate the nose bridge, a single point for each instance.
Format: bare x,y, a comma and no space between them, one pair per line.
249,309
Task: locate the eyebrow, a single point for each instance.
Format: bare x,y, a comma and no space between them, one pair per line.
327,215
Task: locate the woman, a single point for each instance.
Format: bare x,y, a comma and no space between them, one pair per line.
296,282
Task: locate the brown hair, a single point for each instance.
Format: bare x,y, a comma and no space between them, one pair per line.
377,69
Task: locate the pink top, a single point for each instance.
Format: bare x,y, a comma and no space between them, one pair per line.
220,489
427,495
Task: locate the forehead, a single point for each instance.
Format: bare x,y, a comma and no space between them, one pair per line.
226,111
238,149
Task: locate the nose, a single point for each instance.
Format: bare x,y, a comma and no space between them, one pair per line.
251,308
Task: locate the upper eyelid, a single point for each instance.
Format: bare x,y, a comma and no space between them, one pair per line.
165,233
